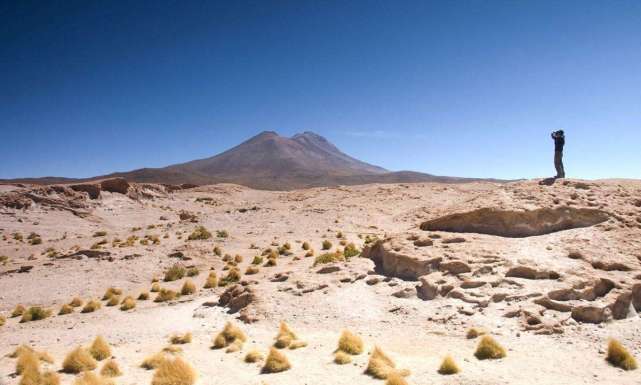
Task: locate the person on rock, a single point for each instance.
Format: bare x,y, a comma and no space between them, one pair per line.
559,142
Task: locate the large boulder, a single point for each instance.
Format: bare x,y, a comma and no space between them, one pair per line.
115,185
394,261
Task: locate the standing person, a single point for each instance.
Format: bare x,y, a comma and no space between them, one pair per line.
559,142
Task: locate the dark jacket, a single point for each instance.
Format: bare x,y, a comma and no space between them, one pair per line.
559,141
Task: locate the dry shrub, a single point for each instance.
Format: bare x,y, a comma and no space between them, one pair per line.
18,311
65,309
488,348
165,295
192,271
27,360
233,275
329,258
188,287
327,245
229,335
620,357
112,291
155,287
257,260
342,358
35,313
180,339
110,369
270,262
351,251
395,379
251,270
234,347
211,281
89,378
78,360
113,300
91,306
32,376
199,233
128,303
276,362
285,336
144,296
350,343
448,366
154,361
100,349
238,258
474,332
381,366
174,273
305,245
174,372
218,251
76,302
253,356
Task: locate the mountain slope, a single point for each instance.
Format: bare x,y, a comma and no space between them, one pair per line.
273,162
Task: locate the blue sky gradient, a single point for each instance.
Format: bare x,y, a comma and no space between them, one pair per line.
462,88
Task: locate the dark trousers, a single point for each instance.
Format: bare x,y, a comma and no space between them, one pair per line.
558,164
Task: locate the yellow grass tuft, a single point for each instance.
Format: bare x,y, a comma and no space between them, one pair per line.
100,349
154,361
35,313
91,306
350,343
229,335
329,258
381,366
448,366
27,360
488,348
211,281
180,339
199,233
113,300
342,358
65,309
395,379
128,303
112,291
234,347
297,344
174,372
327,245
2,320
251,270
276,362
620,357
254,356
76,302
32,376
174,273
285,336
78,360
474,332
110,369
155,287
144,296
233,275
305,245
165,295
89,378
188,287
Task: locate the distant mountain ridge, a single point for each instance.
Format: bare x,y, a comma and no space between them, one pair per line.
271,162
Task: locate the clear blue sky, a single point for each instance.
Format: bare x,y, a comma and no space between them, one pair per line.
462,88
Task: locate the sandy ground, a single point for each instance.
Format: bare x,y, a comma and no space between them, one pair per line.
416,333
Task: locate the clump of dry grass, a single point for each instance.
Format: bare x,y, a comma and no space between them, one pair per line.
309,253
155,287
18,311
173,349
342,358
381,366
329,258
199,233
211,281
144,296
488,348
231,334
65,309
110,369
154,361
305,245
2,320
620,357
111,292
251,270
297,344
35,313
174,372
188,287
233,275
327,245
89,378
128,303
114,300
192,271
100,348
285,336
175,272
350,343
78,360
165,295
253,356
448,366
27,360
76,302
180,338
32,376
395,379
474,332
276,362
258,259
271,261
91,306
350,251
218,251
